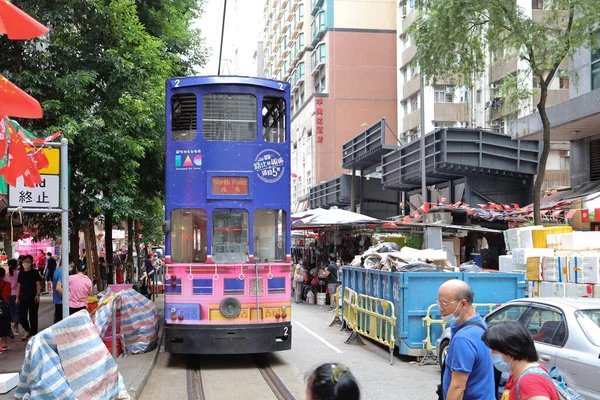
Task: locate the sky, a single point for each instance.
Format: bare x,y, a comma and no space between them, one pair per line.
243,29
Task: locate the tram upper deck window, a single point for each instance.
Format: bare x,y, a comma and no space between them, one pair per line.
188,235
184,116
273,119
230,241
270,227
230,117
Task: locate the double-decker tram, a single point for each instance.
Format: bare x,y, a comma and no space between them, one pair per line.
227,273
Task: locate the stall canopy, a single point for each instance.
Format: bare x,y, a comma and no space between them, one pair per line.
320,217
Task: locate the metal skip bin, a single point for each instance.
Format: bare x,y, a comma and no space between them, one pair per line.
412,293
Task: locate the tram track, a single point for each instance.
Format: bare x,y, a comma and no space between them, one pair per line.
198,387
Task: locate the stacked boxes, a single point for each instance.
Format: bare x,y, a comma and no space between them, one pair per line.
557,262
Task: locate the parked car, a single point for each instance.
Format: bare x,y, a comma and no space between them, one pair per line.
566,333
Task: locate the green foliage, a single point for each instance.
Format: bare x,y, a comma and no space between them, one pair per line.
100,77
456,39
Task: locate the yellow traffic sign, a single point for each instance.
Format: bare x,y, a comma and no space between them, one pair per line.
53,156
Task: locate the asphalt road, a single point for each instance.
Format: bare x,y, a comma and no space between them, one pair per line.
314,343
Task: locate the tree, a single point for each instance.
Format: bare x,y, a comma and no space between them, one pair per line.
455,37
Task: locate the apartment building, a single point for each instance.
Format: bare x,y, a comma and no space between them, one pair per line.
340,58
479,107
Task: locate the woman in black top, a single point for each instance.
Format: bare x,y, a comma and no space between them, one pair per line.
28,297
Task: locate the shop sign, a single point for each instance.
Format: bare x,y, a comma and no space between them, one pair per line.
319,119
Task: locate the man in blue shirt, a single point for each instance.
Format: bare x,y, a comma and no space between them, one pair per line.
469,372
57,297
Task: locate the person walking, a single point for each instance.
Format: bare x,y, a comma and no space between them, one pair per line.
103,272
513,351
80,287
57,295
49,273
5,330
299,279
28,298
332,279
13,279
332,381
469,371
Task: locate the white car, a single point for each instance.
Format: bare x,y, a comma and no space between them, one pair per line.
566,333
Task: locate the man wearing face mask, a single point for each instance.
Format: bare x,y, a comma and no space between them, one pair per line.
469,371
28,297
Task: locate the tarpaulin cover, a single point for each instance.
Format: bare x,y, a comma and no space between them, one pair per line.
70,361
139,320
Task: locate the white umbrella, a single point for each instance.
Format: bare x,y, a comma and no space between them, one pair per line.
333,216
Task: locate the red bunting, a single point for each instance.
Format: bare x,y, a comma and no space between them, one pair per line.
17,159
585,215
482,206
507,207
556,214
416,215
424,207
570,214
40,159
516,206
443,200
31,176
457,204
597,214
2,138
407,220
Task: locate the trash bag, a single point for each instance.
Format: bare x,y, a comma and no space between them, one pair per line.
372,261
469,266
388,247
419,267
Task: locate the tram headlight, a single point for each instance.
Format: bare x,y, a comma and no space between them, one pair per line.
230,307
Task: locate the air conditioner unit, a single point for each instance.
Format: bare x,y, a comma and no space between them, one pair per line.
567,153
492,86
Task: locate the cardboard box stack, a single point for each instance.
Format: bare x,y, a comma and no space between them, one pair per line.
556,261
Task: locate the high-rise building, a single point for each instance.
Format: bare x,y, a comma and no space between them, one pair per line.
478,107
340,58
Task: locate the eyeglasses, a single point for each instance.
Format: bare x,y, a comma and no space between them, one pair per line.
441,304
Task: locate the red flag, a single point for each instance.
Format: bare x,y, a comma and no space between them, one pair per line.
16,103
31,176
585,215
416,215
17,159
2,138
507,207
570,214
482,206
597,214
17,25
516,206
556,214
407,220
424,207
40,159
457,204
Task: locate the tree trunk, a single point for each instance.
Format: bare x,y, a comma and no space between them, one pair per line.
93,262
73,244
136,241
108,237
130,233
539,180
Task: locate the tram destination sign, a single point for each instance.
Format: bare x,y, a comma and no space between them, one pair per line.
43,195
230,185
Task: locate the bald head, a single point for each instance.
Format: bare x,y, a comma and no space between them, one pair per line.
455,289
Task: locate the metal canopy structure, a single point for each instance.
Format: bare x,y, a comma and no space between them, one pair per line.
454,153
335,192
366,149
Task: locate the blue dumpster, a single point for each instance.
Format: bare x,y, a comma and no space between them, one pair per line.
413,292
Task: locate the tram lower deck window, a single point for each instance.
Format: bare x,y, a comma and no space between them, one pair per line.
230,236
230,117
188,235
273,119
270,227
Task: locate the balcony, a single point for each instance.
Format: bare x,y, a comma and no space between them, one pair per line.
450,112
284,4
412,120
503,68
408,54
409,19
411,87
295,4
316,7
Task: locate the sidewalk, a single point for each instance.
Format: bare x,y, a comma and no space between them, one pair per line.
135,369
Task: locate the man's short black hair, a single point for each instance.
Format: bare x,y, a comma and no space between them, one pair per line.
331,257
511,338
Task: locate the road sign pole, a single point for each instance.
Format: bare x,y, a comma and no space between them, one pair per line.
64,200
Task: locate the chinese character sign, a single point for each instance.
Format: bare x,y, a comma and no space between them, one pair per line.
319,119
269,166
229,185
42,195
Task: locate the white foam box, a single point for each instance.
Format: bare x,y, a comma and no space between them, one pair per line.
553,241
552,289
585,269
8,382
521,255
555,269
580,240
506,264
533,289
511,239
597,291
577,290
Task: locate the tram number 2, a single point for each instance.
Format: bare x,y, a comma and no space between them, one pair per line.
280,86
177,82
286,331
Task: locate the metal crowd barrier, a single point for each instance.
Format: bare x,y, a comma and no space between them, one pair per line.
377,321
349,312
337,313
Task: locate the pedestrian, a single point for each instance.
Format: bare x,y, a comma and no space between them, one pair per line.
5,330
57,280
28,297
103,272
50,268
80,287
332,382
332,274
469,372
13,279
149,267
299,279
513,351
73,266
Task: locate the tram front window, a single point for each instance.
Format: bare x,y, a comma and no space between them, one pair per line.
188,235
269,235
230,236
230,117
273,119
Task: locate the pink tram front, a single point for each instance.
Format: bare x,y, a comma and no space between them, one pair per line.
227,273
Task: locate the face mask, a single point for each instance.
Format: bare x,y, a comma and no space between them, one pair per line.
500,364
26,265
452,319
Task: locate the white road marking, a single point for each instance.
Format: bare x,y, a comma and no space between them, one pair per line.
325,342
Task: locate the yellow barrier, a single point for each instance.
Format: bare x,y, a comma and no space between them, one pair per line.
349,312
376,325
337,313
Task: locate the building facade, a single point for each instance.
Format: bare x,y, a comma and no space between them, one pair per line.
340,58
478,107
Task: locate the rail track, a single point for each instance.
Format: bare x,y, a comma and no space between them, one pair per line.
205,379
